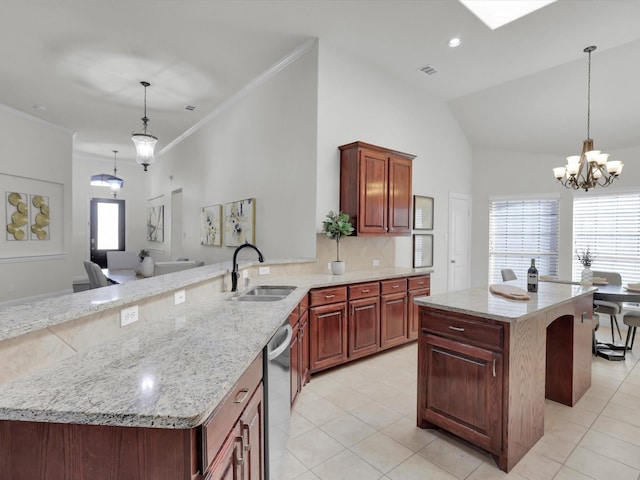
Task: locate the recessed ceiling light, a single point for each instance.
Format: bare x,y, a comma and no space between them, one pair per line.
455,42
496,13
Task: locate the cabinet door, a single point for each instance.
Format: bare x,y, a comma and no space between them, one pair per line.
372,211
252,424
414,312
228,462
304,348
328,335
460,390
399,196
294,353
393,319
364,327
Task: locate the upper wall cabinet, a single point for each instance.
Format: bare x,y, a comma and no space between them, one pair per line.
375,189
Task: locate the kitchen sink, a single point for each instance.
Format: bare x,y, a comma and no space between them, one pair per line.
264,293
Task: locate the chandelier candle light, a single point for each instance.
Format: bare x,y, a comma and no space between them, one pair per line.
144,141
587,170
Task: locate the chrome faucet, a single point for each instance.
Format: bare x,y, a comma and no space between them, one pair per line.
234,272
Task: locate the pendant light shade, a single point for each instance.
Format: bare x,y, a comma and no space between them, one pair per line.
144,141
114,182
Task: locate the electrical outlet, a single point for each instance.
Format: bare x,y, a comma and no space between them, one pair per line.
245,273
179,297
264,271
128,315
376,262
329,266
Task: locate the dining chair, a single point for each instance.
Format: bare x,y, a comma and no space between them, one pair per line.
97,279
632,320
122,260
613,309
507,274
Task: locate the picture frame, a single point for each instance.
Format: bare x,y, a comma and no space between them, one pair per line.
211,225
155,223
422,250
422,213
240,222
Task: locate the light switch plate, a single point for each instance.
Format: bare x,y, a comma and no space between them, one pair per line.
128,315
264,271
179,297
376,262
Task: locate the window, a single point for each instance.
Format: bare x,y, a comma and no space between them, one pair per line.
609,225
520,230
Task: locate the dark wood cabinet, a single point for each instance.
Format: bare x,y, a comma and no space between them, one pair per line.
299,349
304,347
228,463
375,189
252,432
364,320
460,378
393,312
327,328
294,354
418,287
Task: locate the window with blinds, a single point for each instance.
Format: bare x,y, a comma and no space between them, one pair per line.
609,225
520,230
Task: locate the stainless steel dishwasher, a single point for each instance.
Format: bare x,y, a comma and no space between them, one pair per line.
277,381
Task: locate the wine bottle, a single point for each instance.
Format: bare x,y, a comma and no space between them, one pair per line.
532,277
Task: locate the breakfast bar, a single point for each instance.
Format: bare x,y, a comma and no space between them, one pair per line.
486,363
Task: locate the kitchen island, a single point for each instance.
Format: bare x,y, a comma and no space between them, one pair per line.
486,363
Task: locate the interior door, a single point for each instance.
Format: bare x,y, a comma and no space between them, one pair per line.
459,241
107,228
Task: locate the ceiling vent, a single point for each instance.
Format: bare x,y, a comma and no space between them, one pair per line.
191,108
429,70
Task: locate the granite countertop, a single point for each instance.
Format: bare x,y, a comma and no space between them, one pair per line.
481,301
170,373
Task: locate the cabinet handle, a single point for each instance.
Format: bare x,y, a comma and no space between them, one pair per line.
364,291
247,445
395,286
241,396
329,297
494,367
239,460
457,329
420,283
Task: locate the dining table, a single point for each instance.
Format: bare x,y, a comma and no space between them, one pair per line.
122,275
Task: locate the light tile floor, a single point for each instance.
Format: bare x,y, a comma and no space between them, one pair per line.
357,422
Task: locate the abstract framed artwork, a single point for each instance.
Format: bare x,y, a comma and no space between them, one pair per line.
422,213
211,225
239,222
422,250
155,223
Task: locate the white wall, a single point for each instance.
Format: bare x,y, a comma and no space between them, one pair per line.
358,102
36,150
503,173
261,146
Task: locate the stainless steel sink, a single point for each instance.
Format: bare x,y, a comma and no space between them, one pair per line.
264,293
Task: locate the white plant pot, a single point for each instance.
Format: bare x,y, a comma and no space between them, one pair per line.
146,267
337,267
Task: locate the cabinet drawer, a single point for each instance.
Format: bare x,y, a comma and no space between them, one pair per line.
463,329
364,290
393,286
324,296
220,423
304,305
419,282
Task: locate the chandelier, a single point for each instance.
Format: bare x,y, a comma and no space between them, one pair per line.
114,182
144,141
592,167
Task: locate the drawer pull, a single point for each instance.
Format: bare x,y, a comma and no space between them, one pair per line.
245,429
457,329
365,291
239,460
395,286
329,297
494,367
241,396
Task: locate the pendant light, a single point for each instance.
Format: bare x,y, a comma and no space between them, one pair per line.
114,182
144,141
592,167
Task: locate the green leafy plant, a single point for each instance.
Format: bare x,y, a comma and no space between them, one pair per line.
336,226
586,258
143,253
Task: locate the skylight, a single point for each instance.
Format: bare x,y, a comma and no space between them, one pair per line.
496,13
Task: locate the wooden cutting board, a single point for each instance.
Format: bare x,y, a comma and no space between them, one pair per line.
509,291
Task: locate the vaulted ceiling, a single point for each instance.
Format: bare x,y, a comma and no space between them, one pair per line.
78,63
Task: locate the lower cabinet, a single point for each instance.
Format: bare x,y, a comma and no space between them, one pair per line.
418,287
364,320
327,328
393,313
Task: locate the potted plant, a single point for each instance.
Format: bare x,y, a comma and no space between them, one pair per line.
586,258
146,263
336,226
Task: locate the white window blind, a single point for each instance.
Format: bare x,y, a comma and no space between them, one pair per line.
609,225
520,230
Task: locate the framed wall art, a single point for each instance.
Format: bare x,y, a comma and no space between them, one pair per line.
422,213
211,225
155,223
422,250
239,222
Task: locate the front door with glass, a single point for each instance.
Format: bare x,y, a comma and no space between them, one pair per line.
107,228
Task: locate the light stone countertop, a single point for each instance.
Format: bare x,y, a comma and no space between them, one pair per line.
170,373
480,300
